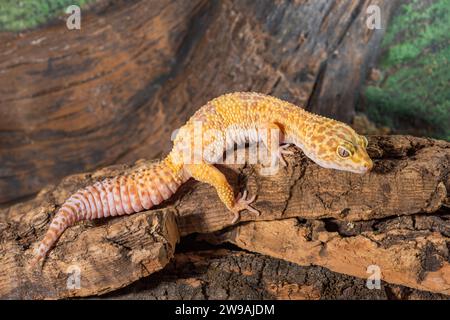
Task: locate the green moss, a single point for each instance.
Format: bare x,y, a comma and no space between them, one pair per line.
19,15
414,94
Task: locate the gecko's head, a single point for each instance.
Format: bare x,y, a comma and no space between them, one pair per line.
335,145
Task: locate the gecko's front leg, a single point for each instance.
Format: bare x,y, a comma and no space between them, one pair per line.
209,174
273,140
281,152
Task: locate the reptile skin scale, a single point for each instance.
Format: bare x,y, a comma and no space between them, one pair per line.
234,118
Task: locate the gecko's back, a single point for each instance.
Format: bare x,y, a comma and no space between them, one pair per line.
230,119
242,108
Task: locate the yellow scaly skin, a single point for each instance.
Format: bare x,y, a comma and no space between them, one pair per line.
329,143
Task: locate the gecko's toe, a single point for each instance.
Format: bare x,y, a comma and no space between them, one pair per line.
242,203
282,152
251,199
236,217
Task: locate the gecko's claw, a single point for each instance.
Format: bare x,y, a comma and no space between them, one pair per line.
281,152
242,203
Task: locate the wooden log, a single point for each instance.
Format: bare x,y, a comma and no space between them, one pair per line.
114,92
411,175
93,261
212,273
414,258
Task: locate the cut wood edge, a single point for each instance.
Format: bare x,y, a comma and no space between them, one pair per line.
92,261
303,190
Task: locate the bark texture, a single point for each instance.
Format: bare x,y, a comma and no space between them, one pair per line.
396,217
230,274
113,92
406,254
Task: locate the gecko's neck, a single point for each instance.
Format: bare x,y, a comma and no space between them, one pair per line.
300,127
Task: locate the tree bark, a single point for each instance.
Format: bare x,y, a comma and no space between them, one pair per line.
410,180
114,91
402,254
94,261
230,274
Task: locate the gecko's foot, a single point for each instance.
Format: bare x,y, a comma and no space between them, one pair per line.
281,152
242,203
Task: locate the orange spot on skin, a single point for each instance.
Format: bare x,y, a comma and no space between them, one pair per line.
331,142
341,136
318,138
322,150
132,190
71,206
54,230
321,129
348,131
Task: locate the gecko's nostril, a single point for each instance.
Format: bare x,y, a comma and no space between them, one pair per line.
368,165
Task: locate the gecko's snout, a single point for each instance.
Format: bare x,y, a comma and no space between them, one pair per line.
368,166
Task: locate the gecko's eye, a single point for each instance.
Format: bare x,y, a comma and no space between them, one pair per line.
365,142
343,152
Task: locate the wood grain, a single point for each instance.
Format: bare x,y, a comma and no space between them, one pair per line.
102,259
410,178
114,92
414,258
210,273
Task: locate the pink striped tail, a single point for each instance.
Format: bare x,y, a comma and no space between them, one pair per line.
116,196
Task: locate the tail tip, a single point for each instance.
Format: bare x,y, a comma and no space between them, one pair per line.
35,264
37,260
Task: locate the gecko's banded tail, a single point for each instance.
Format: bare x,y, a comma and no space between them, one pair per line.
125,194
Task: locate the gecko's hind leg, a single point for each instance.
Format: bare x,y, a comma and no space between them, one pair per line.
209,174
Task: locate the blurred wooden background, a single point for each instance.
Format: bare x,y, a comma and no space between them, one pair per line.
114,91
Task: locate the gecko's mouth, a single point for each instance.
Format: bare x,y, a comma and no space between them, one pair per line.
365,168
362,169
357,169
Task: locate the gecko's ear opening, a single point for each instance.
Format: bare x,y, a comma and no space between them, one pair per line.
364,141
